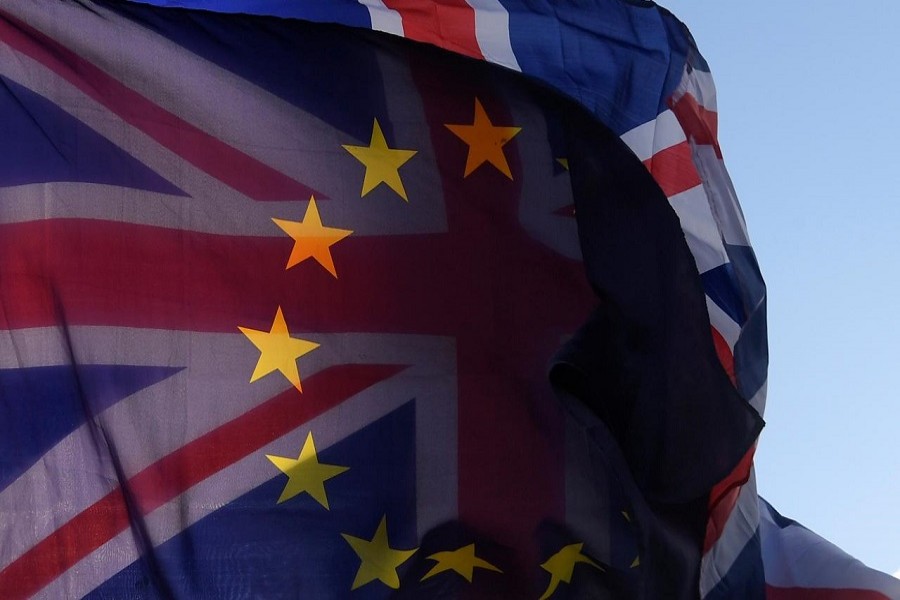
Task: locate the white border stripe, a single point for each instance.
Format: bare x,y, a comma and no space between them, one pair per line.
703,89
797,557
700,85
492,33
722,197
383,18
758,401
700,229
725,325
653,136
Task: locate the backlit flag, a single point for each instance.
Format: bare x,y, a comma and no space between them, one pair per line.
299,309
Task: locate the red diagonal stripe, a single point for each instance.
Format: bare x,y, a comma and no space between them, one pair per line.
231,166
699,124
723,351
182,469
448,24
673,169
723,498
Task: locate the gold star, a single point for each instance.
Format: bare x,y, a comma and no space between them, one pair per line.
562,564
564,162
305,473
278,351
378,560
311,238
382,163
485,141
463,561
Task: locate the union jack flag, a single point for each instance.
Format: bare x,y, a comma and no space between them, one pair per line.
280,297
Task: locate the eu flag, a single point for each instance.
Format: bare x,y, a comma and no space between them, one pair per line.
294,309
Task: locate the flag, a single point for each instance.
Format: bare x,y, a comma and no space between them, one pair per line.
280,301
800,564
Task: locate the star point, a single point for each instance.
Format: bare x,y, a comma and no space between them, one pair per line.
462,560
278,351
485,141
311,238
382,163
561,566
305,473
377,559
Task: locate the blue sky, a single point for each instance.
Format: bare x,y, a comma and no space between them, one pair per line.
808,97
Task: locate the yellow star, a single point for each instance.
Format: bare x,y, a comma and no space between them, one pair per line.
278,351
564,162
485,141
463,561
562,564
382,163
305,473
379,560
311,238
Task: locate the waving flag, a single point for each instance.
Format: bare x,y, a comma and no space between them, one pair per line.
280,299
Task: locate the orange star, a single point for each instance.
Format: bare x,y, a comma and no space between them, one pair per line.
485,141
312,239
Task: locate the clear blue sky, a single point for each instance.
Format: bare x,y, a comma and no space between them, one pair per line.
809,122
